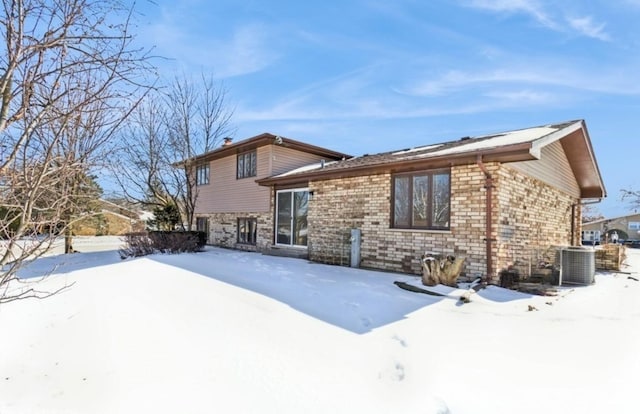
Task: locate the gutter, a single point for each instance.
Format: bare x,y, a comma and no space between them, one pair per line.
489,214
517,152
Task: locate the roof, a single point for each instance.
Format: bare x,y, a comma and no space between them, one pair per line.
605,220
511,146
268,139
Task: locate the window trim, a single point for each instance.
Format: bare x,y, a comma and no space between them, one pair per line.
247,219
292,191
411,175
243,156
203,167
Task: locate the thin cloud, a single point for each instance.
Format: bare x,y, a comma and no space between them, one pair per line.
587,27
544,74
456,80
529,7
552,19
246,52
523,97
243,49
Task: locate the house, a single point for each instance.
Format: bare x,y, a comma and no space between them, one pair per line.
109,219
235,211
500,200
626,227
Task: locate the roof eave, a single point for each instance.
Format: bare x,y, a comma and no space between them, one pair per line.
262,140
512,153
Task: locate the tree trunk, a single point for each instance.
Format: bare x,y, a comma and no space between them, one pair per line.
68,240
441,270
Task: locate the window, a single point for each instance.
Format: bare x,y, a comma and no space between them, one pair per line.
291,217
202,174
421,200
247,165
247,230
202,224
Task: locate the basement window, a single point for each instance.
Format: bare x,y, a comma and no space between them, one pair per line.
247,230
421,200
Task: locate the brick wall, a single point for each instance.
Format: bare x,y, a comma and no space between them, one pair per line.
526,214
610,257
365,203
532,217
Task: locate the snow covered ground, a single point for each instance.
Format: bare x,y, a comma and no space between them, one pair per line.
228,331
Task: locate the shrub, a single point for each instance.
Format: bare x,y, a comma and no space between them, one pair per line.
142,244
137,244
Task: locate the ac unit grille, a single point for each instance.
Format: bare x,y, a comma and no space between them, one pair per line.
578,265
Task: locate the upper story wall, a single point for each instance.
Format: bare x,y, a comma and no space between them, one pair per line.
285,159
552,168
227,194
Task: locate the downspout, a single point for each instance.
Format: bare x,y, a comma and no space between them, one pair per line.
573,224
488,185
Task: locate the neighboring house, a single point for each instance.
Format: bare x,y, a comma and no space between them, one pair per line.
234,210
111,220
523,188
626,227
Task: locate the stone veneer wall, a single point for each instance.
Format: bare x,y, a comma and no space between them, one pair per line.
533,216
223,230
365,203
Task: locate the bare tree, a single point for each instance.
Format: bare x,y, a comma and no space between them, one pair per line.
197,120
632,197
69,75
142,165
591,213
155,167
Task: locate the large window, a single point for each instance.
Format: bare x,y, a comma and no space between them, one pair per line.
421,200
202,174
247,165
247,230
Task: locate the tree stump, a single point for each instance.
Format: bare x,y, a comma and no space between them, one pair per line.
444,270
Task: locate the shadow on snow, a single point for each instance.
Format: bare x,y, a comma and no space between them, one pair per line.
353,299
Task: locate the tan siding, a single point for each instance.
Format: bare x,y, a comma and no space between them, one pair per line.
285,159
226,194
552,168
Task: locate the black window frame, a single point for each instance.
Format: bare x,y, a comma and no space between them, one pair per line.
202,224
244,169
253,236
202,174
430,174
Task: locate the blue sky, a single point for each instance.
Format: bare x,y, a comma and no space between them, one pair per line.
367,76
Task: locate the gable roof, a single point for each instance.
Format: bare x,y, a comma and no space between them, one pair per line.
605,220
267,139
511,146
